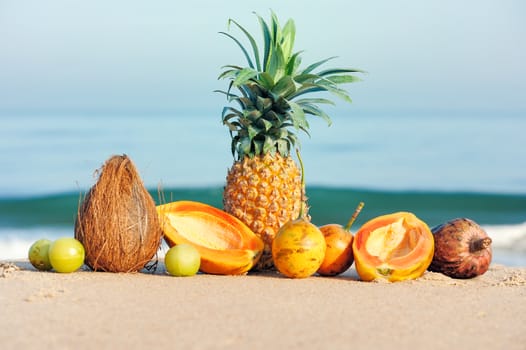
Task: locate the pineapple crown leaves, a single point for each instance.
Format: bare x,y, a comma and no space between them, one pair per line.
271,100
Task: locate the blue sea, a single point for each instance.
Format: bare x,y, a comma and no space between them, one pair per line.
439,165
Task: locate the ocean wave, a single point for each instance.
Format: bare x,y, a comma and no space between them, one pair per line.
15,242
509,242
508,237
327,204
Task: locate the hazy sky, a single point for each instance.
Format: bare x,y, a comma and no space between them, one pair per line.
164,56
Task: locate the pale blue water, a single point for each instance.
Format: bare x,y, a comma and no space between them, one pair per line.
450,151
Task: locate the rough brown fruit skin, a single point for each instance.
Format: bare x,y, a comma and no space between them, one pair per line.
462,249
264,192
117,221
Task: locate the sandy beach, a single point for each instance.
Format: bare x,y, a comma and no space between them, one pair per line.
94,310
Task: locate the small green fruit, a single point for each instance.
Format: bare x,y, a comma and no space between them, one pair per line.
182,260
38,254
66,254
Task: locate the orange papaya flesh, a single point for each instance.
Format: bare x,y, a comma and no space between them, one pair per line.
226,245
393,247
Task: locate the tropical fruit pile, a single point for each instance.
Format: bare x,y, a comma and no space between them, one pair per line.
264,224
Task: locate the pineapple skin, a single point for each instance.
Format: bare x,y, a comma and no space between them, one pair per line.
264,192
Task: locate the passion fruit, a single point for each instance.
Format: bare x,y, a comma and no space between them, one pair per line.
298,249
339,255
462,249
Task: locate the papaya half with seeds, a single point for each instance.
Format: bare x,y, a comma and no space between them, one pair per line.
226,245
393,247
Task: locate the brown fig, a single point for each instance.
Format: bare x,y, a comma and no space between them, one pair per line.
462,249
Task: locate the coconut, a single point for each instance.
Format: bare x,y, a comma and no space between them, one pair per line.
462,249
117,221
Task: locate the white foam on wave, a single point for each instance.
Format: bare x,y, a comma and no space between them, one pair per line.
508,237
15,242
506,240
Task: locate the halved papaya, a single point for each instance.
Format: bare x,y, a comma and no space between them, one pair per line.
393,247
226,245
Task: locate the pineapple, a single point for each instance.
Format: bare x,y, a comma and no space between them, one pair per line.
264,186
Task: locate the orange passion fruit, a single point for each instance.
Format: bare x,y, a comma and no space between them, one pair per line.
338,255
298,249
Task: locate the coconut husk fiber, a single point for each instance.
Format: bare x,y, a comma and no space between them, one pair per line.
117,221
